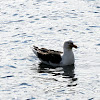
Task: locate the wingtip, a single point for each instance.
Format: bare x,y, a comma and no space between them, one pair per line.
35,47
35,50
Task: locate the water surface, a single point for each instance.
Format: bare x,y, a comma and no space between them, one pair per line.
47,23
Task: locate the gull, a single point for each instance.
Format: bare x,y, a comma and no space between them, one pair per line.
56,58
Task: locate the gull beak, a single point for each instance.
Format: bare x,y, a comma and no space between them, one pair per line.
74,46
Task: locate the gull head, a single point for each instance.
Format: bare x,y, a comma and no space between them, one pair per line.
69,45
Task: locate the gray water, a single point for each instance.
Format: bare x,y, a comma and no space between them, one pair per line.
48,23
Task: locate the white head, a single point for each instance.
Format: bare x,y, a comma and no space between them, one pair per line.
69,45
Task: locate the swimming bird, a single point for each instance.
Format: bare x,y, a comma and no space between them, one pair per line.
56,58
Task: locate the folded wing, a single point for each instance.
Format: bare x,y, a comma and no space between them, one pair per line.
48,55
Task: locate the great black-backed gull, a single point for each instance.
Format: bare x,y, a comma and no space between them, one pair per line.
56,58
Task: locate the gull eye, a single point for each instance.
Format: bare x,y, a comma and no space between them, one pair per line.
68,42
71,43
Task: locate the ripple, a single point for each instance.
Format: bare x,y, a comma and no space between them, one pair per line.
65,2
96,12
32,22
8,76
73,10
44,16
73,17
50,2
98,6
36,19
15,41
24,84
14,21
1,66
60,90
29,36
50,28
1,30
81,12
44,74
12,48
26,41
91,99
15,35
87,29
98,44
31,98
21,16
17,28
30,16
20,59
71,85
23,33
95,26
90,32
15,14
11,66
3,43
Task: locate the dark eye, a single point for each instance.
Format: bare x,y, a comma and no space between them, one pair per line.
71,43
68,42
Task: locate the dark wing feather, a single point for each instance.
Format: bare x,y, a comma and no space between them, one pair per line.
52,57
48,55
55,58
44,50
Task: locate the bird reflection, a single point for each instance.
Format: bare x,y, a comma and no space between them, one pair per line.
66,71
69,71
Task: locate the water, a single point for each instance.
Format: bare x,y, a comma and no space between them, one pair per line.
47,23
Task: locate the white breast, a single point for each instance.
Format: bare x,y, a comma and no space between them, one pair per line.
68,58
